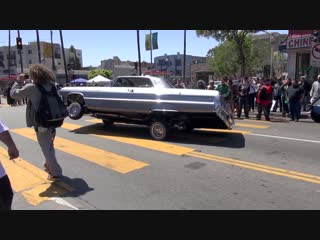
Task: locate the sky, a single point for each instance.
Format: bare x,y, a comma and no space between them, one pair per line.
98,45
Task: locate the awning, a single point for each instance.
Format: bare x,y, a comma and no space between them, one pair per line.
8,79
299,33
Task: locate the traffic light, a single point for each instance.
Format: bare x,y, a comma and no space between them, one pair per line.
136,65
316,37
19,43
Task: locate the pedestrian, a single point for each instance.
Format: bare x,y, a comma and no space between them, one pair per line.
264,100
252,94
244,98
6,193
179,84
284,97
306,86
295,97
209,87
277,95
223,89
201,84
315,90
41,75
234,96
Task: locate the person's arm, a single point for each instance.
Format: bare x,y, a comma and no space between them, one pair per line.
312,90
6,138
18,92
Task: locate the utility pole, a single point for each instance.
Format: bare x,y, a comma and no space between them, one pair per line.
151,47
38,45
64,57
9,56
20,53
184,56
139,55
52,53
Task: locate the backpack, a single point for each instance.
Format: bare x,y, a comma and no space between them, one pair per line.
51,111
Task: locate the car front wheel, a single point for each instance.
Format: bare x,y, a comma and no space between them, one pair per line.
159,130
76,110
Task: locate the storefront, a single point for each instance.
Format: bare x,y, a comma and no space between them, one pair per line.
298,47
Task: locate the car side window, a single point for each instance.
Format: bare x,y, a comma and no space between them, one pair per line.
143,83
134,82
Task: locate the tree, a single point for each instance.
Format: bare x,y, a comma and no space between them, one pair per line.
99,71
222,59
279,61
238,36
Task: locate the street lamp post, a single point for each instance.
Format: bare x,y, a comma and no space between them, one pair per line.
271,52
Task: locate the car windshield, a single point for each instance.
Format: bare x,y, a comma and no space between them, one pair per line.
160,83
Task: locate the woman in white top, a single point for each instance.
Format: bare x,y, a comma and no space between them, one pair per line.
6,193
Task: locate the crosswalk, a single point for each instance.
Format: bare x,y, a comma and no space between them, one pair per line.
31,182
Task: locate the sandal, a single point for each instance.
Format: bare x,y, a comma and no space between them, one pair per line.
53,178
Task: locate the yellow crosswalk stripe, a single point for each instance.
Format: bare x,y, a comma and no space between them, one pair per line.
150,144
98,156
252,125
31,181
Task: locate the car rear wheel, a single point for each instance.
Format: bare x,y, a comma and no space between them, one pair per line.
76,110
159,130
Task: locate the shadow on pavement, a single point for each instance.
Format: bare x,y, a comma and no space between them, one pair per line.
67,187
210,138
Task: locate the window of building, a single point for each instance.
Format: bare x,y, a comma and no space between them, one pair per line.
178,62
30,61
29,51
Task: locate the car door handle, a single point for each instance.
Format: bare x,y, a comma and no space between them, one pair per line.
130,90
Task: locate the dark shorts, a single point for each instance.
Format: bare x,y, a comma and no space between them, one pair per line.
6,193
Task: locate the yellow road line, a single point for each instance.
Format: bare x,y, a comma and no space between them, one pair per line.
150,144
252,125
94,120
98,156
222,130
31,181
209,130
259,167
230,161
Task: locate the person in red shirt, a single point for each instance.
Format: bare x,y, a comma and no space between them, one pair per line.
264,99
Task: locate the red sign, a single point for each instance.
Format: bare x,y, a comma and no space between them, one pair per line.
315,55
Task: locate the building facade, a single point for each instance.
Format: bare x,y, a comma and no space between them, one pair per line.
49,54
274,59
201,71
298,46
123,68
175,64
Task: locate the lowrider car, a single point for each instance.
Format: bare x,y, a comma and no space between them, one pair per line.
149,101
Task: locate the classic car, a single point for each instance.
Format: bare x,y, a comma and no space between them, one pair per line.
149,101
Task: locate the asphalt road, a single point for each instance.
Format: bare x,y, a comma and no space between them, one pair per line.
258,165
